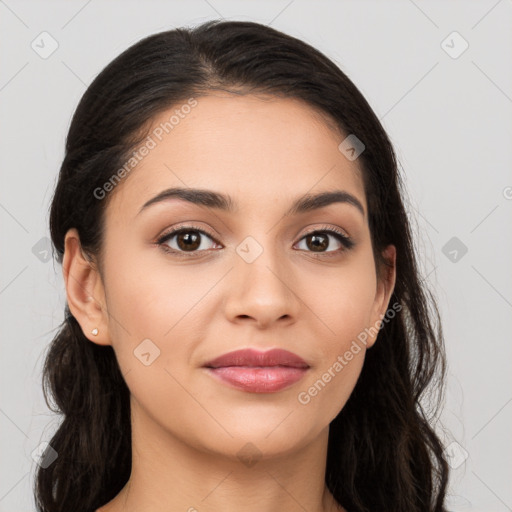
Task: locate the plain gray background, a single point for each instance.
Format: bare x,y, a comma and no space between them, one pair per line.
447,109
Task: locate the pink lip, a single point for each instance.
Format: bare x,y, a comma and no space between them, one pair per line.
259,372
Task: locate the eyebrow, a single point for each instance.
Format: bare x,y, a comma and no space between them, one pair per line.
226,203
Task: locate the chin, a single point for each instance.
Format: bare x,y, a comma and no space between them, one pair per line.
262,437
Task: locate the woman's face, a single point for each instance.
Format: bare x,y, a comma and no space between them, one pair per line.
254,280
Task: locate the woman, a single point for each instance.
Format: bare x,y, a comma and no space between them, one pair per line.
246,327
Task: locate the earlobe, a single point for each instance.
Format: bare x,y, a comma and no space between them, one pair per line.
385,288
84,290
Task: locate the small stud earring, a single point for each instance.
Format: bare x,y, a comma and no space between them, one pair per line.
95,331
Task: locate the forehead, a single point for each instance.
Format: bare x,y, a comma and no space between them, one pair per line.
255,148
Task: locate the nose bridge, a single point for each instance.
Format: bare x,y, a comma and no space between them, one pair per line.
259,260
262,288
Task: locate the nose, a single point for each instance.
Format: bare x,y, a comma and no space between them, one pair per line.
261,290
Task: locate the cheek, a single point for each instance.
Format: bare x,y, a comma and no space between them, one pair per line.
154,323
344,305
343,302
159,314
326,392
341,351
151,299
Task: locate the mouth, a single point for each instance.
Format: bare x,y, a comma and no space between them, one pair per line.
258,372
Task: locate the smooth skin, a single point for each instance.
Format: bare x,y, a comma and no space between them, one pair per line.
187,427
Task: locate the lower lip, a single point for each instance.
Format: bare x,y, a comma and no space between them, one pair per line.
259,379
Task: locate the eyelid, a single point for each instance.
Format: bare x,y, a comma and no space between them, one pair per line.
186,226
327,228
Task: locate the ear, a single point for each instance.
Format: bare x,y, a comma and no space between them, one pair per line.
84,289
385,287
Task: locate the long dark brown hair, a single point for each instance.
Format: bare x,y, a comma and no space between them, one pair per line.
383,452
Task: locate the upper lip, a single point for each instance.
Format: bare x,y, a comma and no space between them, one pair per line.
251,357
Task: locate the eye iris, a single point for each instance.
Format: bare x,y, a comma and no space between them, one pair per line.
315,241
191,240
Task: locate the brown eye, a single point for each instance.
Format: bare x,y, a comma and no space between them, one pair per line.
185,239
318,241
188,240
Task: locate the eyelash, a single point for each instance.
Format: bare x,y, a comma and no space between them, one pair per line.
346,241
